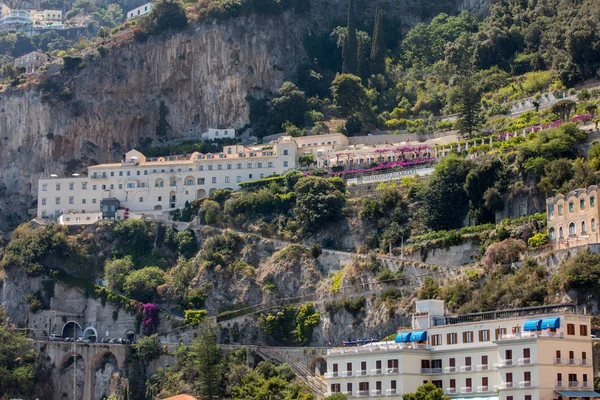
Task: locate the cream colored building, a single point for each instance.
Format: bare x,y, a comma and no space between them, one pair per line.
139,11
573,218
165,183
538,353
46,16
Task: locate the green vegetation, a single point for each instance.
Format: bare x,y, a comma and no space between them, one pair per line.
427,391
147,348
16,360
290,324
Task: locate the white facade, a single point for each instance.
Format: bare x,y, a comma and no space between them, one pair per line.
43,16
165,183
495,356
16,20
141,10
213,134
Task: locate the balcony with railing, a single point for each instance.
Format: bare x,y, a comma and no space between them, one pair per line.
348,394
524,384
482,367
467,389
573,384
450,390
346,374
466,368
450,370
574,361
391,371
526,361
376,372
560,384
431,371
585,362
391,392
329,375
483,389
362,393
361,372
506,385
505,363
379,347
376,392
531,334
560,361
586,385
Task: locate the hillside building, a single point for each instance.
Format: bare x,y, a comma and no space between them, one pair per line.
535,353
46,16
16,20
573,218
214,134
139,11
31,62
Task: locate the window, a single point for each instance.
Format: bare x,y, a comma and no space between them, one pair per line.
93,201
285,152
220,167
571,207
349,367
71,186
44,188
592,201
120,173
335,388
551,210
560,233
43,202
146,171
527,397
583,330
363,365
239,166
214,179
226,179
437,384
452,383
363,387
552,233
201,168
137,173
526,353
57,200
84,186
583,227
71,200
484,381
83,201
249,176
285,164
249,165
392,364
593,225
468,382
229,166
484,360
112,173
508,354
259,165
451,338
378,364
572,378
112,186
128,173
582,204
58,187
572,229
585,378
468,361
141,200
238,179
570,329
200,181
527,376
130,185
436,340
270,164
44,215
120,186
189,182
509,377
452,362
159,198
210,167
349,388
468,337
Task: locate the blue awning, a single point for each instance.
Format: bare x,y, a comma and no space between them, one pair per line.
551,323
533,325
578,393
403,337
420,336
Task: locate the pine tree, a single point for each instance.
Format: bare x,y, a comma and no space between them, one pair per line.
378,46
350,50
363,64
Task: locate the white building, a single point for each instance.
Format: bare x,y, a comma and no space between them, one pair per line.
213,134
16,20
141,10
46,16
536,353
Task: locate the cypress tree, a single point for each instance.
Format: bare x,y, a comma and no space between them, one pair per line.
350,50
378,46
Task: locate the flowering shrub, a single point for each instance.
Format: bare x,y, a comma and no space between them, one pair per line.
384,166
150,316
554,124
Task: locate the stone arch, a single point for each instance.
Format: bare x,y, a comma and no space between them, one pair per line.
158,208
71,379
211,191
318,366
189,181
130,335
103,366
71,329
200,193
65,360
159,183
91,333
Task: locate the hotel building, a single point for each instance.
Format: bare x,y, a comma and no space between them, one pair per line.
536,353
573,218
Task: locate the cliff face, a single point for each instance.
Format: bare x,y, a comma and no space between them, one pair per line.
202,75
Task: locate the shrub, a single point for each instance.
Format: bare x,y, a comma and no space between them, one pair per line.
355,306
147,349
538,240
336,281
71,63
165,15
33,302
503,253
142,284
195,317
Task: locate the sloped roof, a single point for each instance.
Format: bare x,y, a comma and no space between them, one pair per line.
182,397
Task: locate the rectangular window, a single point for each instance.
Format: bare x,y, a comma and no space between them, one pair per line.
363,365
508,354
120,173
285,164
484,381
128,173
57,200
159,198
349,388
509,377
214,179
238,179
484,360
583,330
138,173
484,335
437,384
71,200
451,338
468,337
220,167
145,172
468,361
201,168
71,186
335,388
141,199
285,152
44,188
58,187
249,165
582,204
93,201
130,185
259,165
112,186
229,166
239,166
570,329
560,208
592,201
527,376
452,383
363,387
226,179
210,167
468,382
200,181
571,357
572,378
83,201
551,210
120,186
436,340
571,207
349,367
112,173
527,353
43,202
84,186
270,164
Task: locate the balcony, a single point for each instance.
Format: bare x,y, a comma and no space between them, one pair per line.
466,368
391,371
525,361
524,384
346,374
376,392
573,384
348,394
362,393
560,361
505,363
450,370
483,389
464,390
560,384
586,385
451,391
376,372
431,371
391,392
361,372
482,367
329,375
585,363
573,361
506,385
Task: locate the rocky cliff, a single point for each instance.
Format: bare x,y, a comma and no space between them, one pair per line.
202,76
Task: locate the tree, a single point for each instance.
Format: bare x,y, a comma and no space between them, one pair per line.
141,284
349,94
167,14
208,361
378,46
591,109
317,201
17,361
116,271
337,396
147,348
289,105
350,50
427,391
564,108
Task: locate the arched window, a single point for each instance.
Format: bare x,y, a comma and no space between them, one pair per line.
159,183
583,227
593,225
551,234
572,229
560,233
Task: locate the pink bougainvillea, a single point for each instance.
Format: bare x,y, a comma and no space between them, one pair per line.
555,124
150,316
384,166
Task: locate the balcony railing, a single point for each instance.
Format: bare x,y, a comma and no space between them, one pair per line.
376,392
431,371
332,374
376,372
466,368
451,391
391,371
450,370
573,384
346,374
348,394
525,361
506,385
525,335
361,372
482,389
376,347
525,384
585,362
391,392
586,385
560,361
573,361
482,367
466,390
362,393
560,384
505,363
